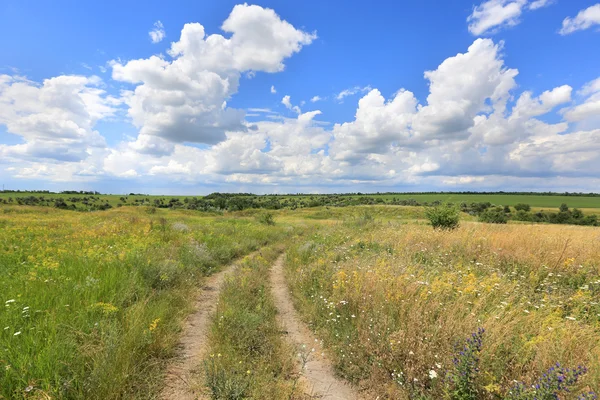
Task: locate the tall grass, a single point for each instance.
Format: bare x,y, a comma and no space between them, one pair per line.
92,303
392,301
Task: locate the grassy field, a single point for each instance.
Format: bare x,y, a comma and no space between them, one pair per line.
94,302
394,303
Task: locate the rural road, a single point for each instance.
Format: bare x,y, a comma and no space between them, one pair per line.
180,381
317,374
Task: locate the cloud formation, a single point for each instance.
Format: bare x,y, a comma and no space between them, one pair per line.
157,34
474,128
493,15
585,19
184,99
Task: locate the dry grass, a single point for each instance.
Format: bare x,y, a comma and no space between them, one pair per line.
391,301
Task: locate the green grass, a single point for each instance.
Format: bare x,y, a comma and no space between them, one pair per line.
92,303
249,358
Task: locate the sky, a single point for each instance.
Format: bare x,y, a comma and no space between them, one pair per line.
194,97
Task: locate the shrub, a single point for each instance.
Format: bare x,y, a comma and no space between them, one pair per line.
564,207
444,216
495,216
523,207
266,218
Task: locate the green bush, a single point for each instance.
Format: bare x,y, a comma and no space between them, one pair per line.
266,218
494,216
523,207
444,216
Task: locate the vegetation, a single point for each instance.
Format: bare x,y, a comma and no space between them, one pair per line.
392,300
248,357
445,216
92,303
86,201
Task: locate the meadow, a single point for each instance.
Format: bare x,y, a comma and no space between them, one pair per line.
396,302
94,303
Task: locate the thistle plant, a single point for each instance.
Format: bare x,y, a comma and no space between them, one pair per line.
466,367
555,381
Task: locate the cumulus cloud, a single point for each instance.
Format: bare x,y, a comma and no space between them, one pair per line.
273,90
184,99
473,129
493,15
286,101
157,34
314,99
590,107
583,20
56,119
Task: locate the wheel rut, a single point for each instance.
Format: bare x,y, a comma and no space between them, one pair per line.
317,373
181,381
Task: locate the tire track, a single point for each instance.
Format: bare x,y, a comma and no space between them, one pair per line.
317,374
181,381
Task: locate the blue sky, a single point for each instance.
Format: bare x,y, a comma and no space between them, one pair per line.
124,136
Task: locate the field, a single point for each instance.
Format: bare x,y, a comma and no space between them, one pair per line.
95,304
93,301
537,201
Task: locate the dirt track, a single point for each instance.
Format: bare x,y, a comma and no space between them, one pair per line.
318,376
180,381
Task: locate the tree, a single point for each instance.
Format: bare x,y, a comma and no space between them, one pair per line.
564,207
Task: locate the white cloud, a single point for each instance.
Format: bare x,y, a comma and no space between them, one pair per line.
462,180
184,99
55,119
583,20
534,5
157,34
474,129
351,91
493,15
273,90
314,99
459,88
288,104
589,108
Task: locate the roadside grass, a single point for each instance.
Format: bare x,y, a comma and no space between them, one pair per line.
391,302
249,358
92,303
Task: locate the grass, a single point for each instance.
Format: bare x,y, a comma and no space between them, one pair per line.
93,302
391,301
248,356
